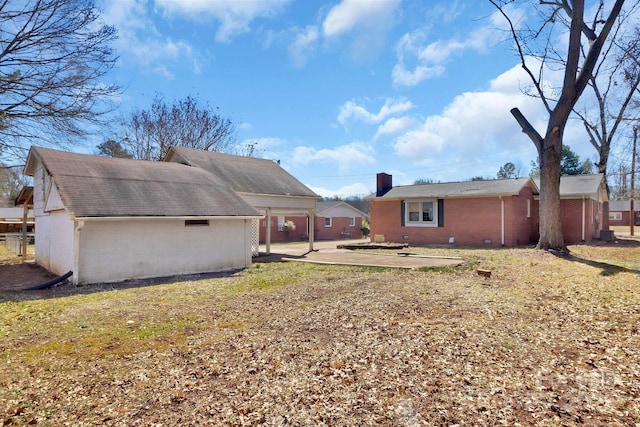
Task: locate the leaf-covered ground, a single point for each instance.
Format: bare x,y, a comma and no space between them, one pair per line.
546,340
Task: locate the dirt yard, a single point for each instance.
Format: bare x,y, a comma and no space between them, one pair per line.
546,340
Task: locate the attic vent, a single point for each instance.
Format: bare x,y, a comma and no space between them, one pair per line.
196,222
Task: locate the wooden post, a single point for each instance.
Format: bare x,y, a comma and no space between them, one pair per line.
632,213
25,214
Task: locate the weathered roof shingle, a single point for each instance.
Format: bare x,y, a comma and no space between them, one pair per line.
94,186
243,174
459,189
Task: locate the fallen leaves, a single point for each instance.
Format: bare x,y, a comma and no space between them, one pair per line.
543,341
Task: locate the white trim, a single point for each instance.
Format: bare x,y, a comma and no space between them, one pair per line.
420,223
330,222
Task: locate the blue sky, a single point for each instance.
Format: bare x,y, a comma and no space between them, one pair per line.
340,90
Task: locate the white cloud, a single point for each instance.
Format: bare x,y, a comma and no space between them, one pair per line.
356,189
351,110
139,41
344,157
349,14
235,17
302,45
395,125
419,59
475,123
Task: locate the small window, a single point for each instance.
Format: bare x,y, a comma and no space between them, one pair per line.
528,208
421,213
615,216
196,223
327,221
352,222
280,223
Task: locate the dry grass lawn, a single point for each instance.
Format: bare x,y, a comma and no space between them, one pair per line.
545,340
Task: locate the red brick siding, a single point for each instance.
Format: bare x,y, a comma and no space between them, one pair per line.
339,225
300,233
571,217
475,222
625,219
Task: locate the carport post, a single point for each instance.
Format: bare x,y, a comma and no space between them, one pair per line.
268,232
312,223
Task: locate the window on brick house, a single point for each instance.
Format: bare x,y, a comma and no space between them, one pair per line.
421,213
327,221
352,222
615,216
528,208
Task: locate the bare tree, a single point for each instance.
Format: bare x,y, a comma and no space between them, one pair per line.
53,56
578,62
148,134
614,85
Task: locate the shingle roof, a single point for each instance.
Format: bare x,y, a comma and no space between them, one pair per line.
623,205
243,174
329,204
484,188
578,185
94,186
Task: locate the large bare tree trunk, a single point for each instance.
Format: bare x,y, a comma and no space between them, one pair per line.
551,236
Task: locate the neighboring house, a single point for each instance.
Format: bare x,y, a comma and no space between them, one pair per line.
477,213
619,212
110,219
262,183
338,220
11,220
582,207
281,230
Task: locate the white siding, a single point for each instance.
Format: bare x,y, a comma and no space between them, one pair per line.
53,231
118,250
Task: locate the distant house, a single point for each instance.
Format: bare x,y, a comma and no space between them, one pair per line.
619,212
477,213
263,184
338,220
582,207
109,219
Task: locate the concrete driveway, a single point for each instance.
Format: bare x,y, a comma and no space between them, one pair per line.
326,252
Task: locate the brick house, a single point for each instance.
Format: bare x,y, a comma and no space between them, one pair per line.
583,204
476,213
338,220
619,212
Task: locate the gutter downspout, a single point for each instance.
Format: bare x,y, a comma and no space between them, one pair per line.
501,220
584,214
79,225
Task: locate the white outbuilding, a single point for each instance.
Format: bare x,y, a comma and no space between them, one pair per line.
110,219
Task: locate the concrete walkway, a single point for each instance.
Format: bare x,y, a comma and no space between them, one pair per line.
326,252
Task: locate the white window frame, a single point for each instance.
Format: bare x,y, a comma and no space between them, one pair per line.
421,213
352,221
281,223
615,216
327,223
528,208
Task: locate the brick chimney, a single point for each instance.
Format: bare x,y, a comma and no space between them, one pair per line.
384,183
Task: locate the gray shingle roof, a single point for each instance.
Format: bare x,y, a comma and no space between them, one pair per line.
578,185
623,205
485,188
329,204
243,174
94,186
